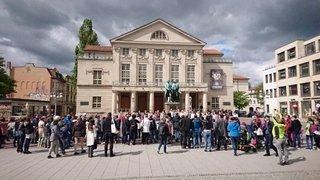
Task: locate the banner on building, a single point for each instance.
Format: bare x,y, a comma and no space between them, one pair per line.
216,78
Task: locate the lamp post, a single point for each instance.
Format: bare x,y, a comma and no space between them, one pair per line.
56,95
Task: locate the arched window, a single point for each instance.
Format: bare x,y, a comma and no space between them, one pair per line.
27,85
22,84
159,35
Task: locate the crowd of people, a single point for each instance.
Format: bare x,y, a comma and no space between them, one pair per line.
214,130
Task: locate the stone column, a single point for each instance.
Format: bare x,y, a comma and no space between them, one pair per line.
204,101
187,103
133,104
151,102
114,102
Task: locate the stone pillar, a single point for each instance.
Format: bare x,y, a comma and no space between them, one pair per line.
187,102
204,101
151,102
114,102
133,104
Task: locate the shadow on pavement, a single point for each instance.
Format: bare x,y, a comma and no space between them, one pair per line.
177,152
291,161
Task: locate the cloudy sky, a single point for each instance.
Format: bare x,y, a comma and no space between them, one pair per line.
45,32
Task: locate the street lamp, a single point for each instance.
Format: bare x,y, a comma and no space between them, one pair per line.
56,96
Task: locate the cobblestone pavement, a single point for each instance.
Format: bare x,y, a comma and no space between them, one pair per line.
143,162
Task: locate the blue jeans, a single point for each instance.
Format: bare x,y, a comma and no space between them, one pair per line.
207,139
153,136
177,135
196,137
163,141
296,137
234,141
309,140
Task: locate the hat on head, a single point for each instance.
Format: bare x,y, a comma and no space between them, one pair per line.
56,118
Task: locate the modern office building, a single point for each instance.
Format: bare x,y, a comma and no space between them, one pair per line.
297,71
270,90
130,74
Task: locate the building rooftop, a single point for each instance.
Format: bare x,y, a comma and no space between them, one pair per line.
240,77
98,48
211,51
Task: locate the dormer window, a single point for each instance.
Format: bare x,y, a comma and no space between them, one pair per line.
159,35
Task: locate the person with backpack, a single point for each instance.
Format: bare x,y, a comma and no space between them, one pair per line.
197,126
296,131
163,135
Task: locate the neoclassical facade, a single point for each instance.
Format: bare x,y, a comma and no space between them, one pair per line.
130,74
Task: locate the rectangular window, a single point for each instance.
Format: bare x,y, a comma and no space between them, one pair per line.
275,93
305,89
310,48
282,74
274,77
316,86
291,53
316,67
174,53
281,57
266,78
96,102
283,91
158,69
267,93
292,71
271,93
125,73
215,103
304,70
270,77
125,51
190,53
159,52
97,76
142,52
175,73
142,74
191,74
293,90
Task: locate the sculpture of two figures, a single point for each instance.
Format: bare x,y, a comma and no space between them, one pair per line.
172,91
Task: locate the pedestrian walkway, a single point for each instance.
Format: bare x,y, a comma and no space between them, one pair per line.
142,161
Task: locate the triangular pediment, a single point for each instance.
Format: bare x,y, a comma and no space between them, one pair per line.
144,34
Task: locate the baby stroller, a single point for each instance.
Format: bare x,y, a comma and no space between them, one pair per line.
247,143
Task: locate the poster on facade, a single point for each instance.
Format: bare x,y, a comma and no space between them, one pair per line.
5,110
216,78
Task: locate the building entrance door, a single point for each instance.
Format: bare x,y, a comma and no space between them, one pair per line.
194,100
142,101
158,101
125,101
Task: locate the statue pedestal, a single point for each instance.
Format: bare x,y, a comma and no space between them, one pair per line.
171,105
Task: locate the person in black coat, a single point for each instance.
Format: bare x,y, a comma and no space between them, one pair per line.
296,130
185,127
22,136
28,134
267,131
107,133
133,129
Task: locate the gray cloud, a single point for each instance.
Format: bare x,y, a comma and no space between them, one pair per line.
247,31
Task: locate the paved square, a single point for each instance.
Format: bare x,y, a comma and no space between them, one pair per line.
142,162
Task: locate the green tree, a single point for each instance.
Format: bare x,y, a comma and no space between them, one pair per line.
258,92
87,36
240,99
7,84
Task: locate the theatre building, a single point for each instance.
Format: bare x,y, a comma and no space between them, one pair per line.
130,74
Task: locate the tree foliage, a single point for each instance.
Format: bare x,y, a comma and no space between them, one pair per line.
259,94
7,84
87,36
240,99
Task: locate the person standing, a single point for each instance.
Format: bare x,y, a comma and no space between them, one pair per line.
269,137
22,135
176,124
107,134
221,132
54,137
296,131
185,128
91,137
79,132
41,132
234,133
163,135
133,129
145,123
196,131
279,133
29,131
208,126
